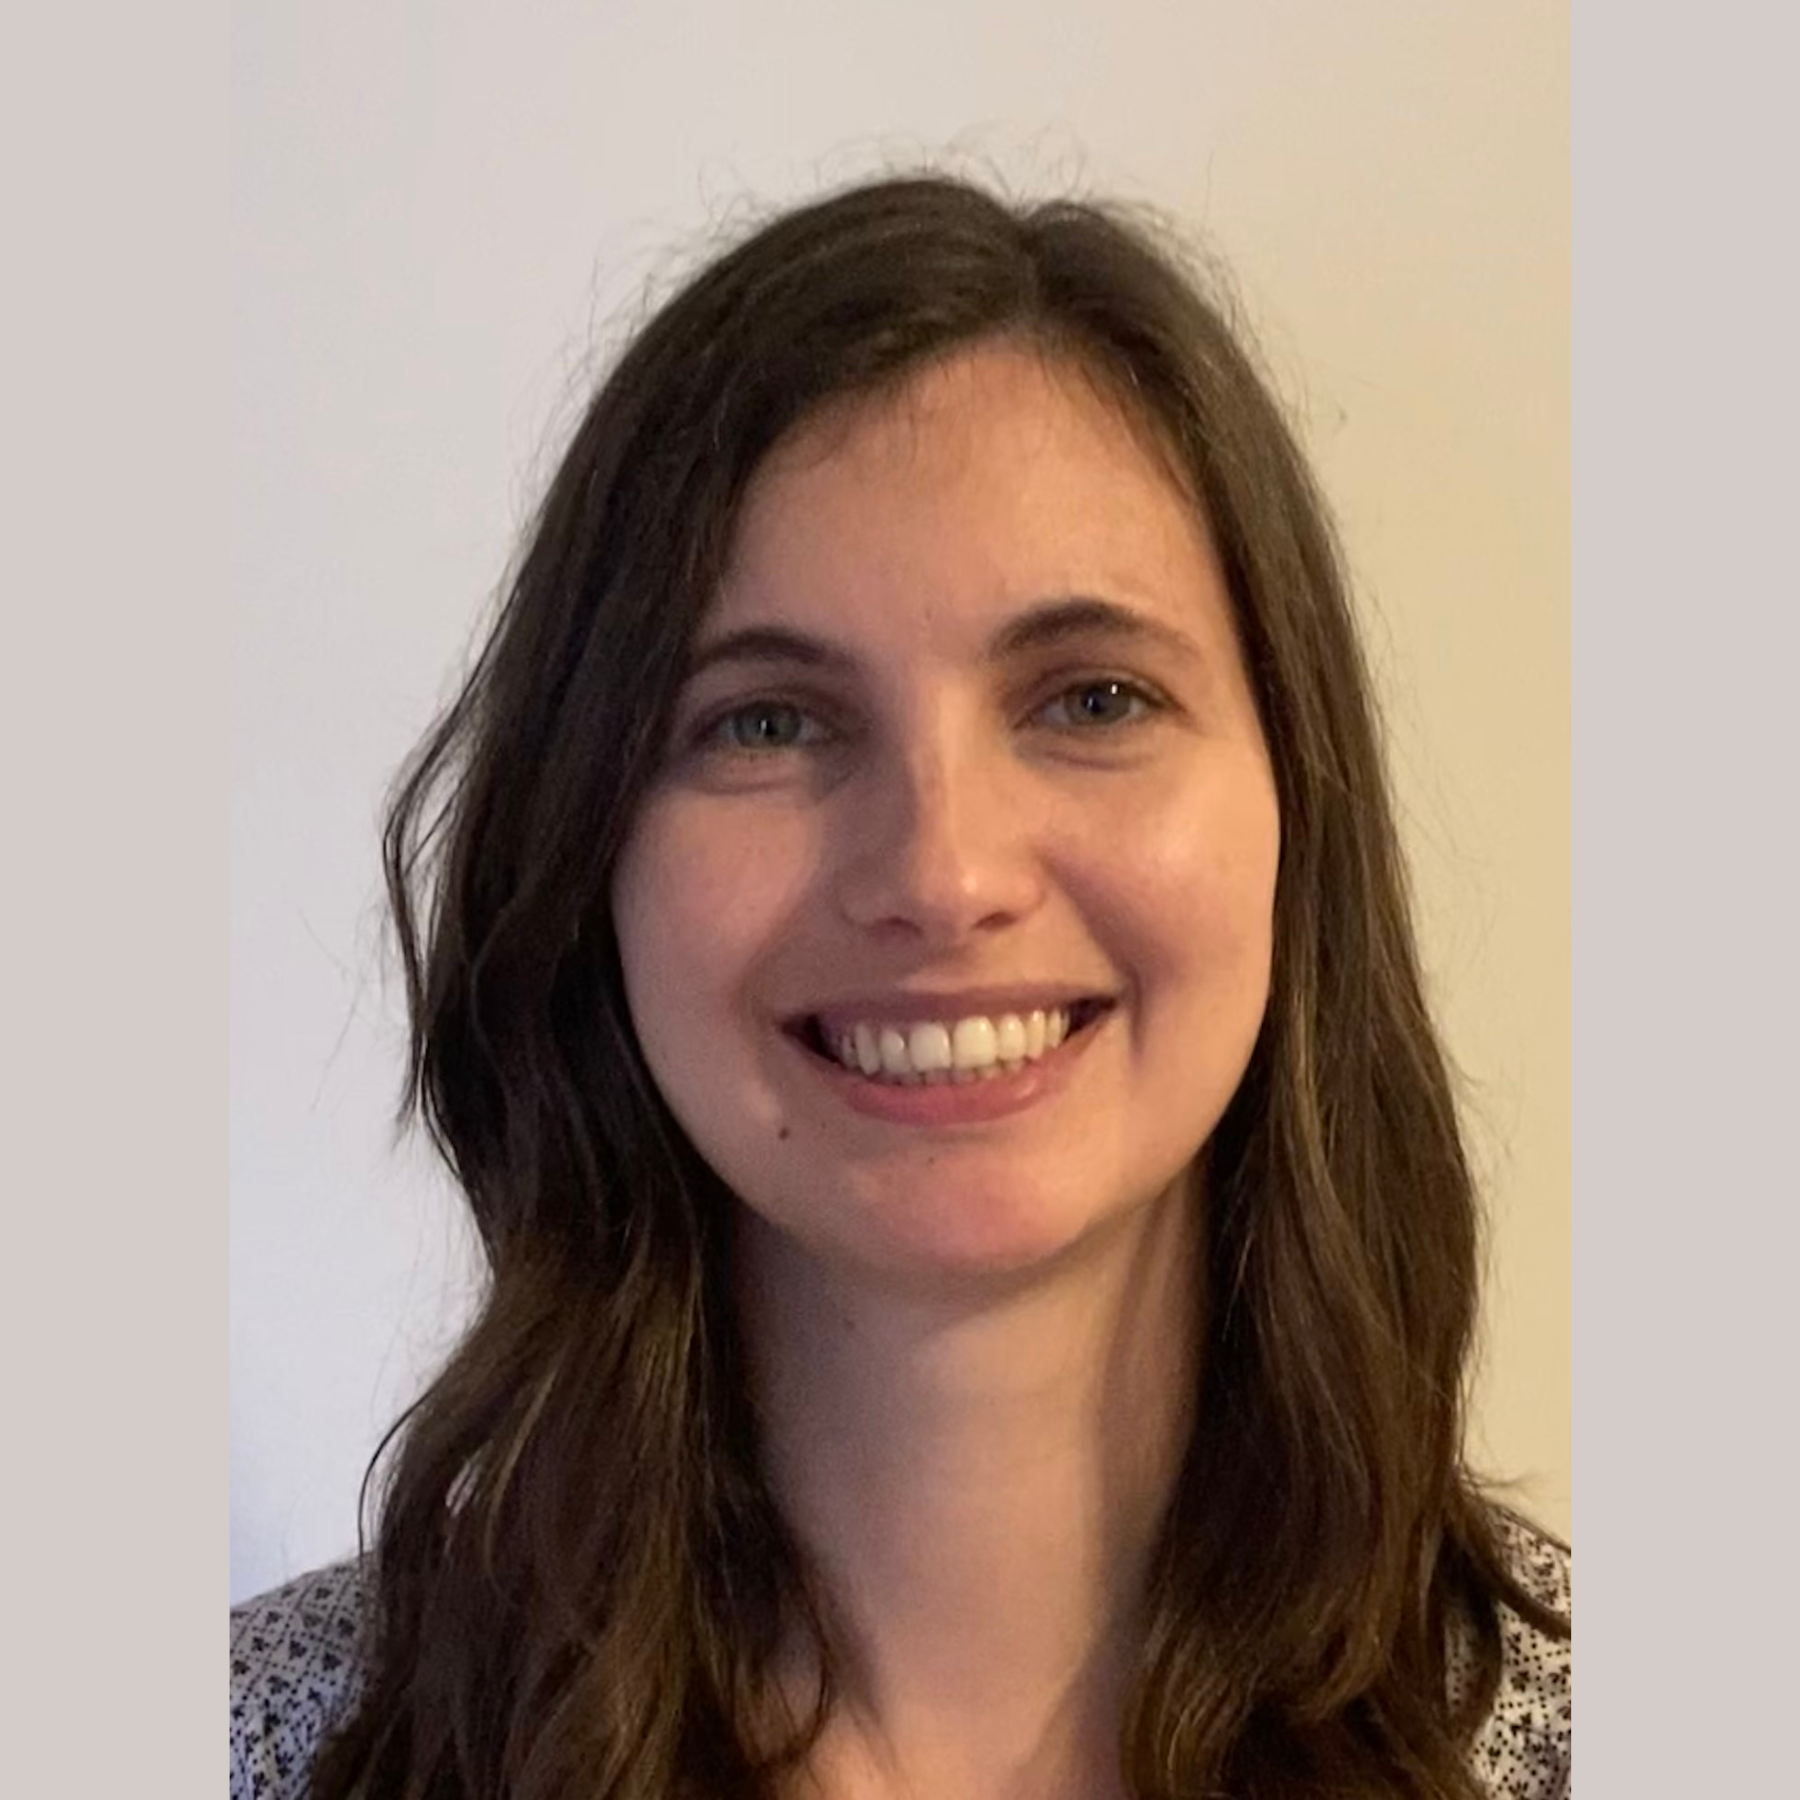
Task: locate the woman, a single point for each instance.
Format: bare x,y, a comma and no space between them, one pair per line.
908,961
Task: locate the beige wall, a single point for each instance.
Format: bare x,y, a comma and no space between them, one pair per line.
1405,214
433,211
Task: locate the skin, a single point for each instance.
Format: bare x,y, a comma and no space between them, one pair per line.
973,1345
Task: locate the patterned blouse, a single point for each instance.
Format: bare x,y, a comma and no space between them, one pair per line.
298,1662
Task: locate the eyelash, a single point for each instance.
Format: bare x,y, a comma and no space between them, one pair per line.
710,736
1145,701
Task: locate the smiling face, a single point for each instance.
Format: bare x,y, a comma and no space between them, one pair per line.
967,738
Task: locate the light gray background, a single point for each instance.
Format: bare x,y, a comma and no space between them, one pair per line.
442,217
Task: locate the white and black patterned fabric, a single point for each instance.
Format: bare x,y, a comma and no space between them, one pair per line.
298,1657
1525,1745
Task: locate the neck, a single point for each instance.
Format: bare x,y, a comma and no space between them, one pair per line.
978,1475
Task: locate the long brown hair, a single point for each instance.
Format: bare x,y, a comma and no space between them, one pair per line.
581,1575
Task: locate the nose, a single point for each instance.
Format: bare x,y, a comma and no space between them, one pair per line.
940,847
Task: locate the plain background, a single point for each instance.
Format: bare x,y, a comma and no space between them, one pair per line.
443,218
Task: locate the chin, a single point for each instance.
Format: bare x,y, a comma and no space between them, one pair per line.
1002,1232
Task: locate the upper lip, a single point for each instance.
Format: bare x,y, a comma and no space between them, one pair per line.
913,1007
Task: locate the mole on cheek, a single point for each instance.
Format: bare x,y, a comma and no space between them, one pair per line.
782,1133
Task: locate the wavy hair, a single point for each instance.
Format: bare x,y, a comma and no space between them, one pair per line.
581,1576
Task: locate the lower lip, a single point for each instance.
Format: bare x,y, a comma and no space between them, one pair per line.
948,1103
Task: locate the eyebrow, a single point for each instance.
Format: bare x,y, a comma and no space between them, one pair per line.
1043,626
1082,615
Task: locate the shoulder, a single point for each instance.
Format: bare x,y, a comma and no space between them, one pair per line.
1525,1745
298,1662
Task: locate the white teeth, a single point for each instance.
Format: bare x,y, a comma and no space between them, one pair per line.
974,1044
972,1049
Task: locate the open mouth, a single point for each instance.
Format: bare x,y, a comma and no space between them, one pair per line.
936,1052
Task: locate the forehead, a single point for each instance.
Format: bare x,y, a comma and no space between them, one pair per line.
986,482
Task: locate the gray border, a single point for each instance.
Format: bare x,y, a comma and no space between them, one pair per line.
1686,656
113,724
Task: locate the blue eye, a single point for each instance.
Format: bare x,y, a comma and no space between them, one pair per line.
1091,704
764,725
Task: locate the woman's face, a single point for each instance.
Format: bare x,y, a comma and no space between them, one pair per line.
967,759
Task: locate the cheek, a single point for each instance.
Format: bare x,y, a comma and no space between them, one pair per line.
703,906
1188,885
698,902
